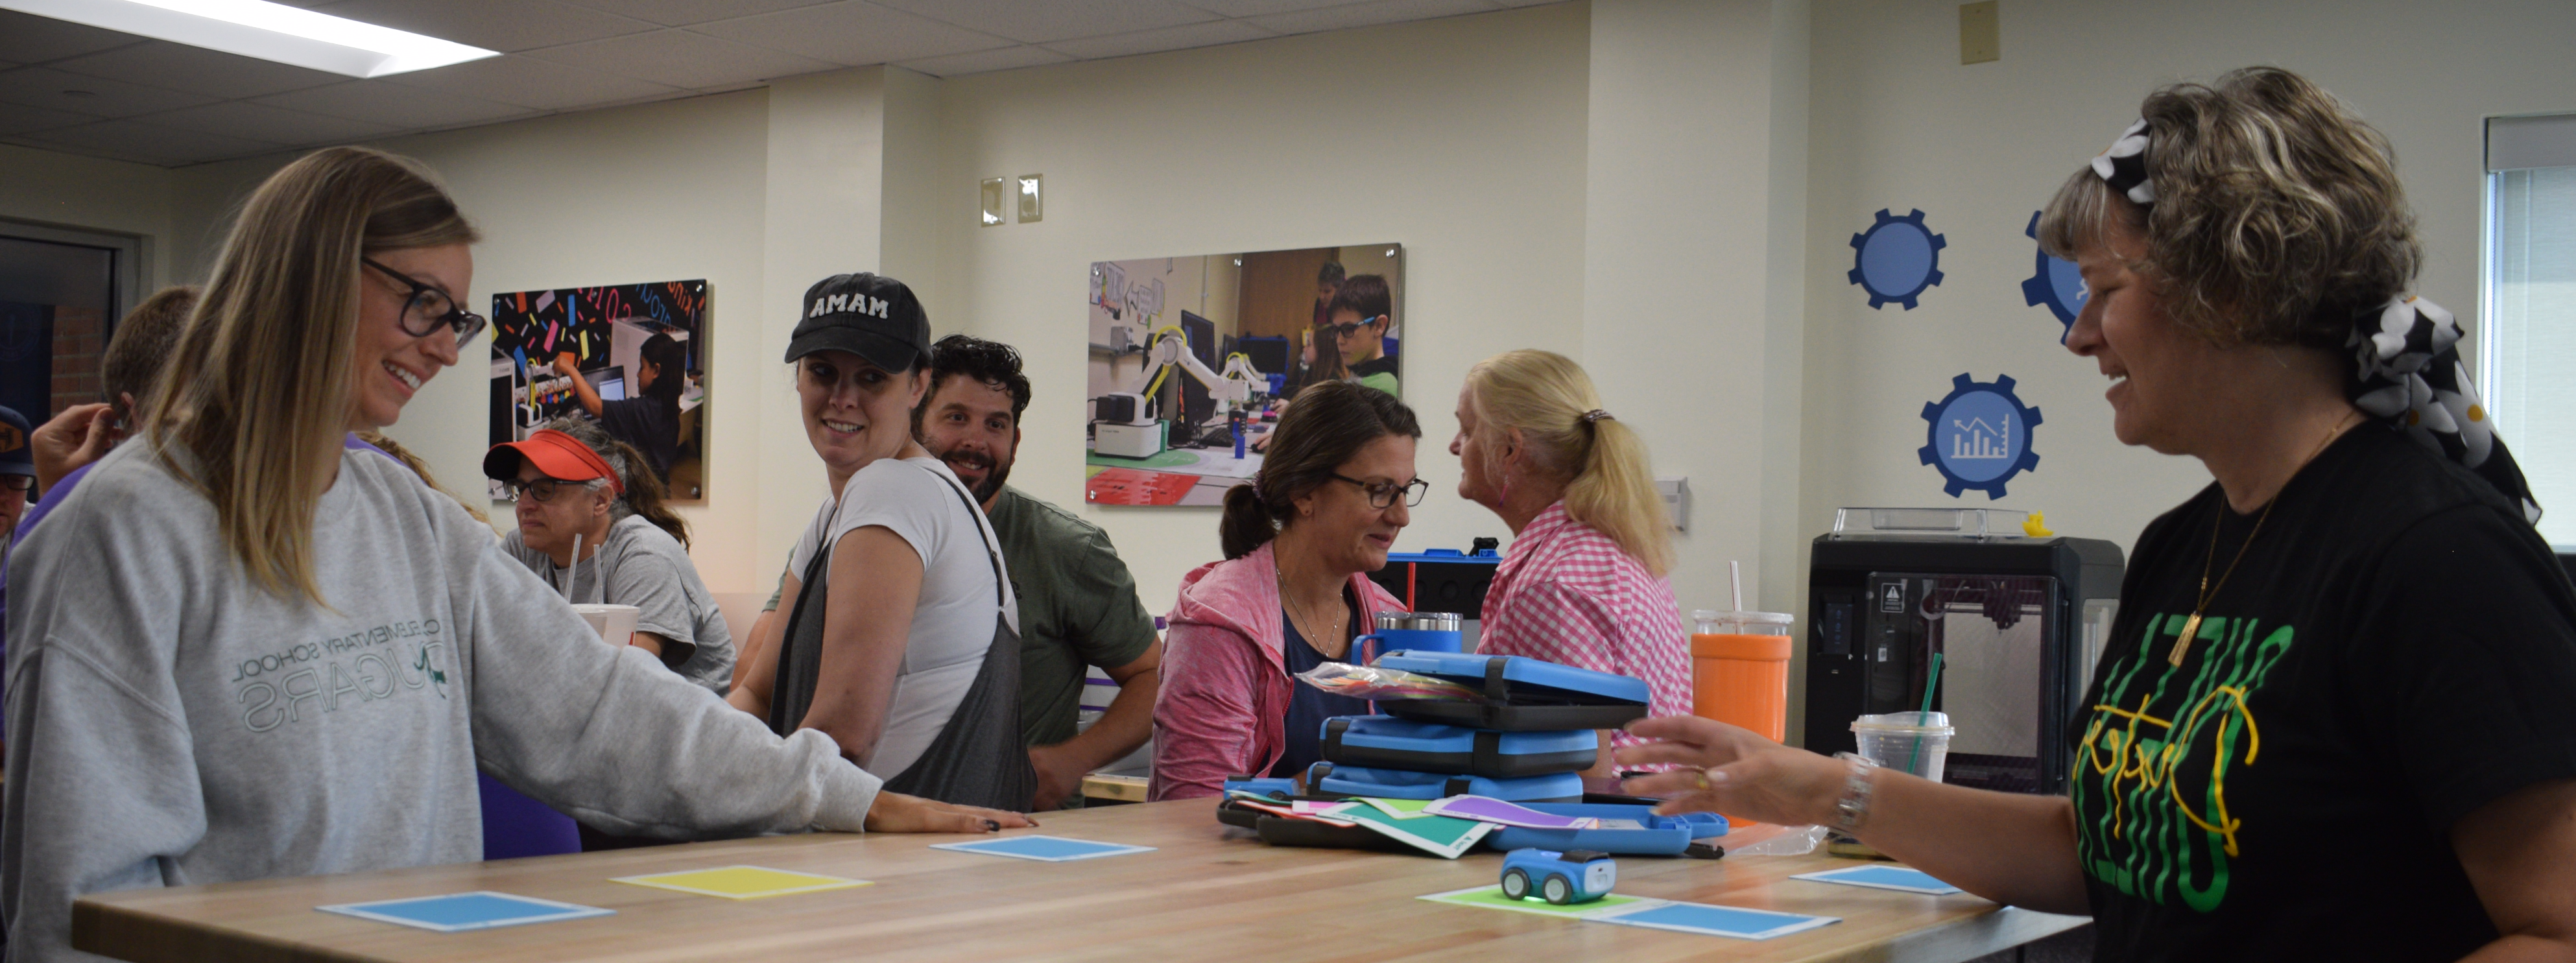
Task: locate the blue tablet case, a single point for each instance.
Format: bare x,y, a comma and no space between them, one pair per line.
1388,742
1330,779
1521,694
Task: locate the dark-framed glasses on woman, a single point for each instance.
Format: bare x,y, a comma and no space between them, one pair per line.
544,490
1384,494
427,308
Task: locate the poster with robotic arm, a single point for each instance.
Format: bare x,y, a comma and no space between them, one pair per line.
1193,358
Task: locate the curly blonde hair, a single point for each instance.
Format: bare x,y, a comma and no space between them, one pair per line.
2278,213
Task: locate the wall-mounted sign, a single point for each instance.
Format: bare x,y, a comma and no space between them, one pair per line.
1896,259
2054,282
1979,436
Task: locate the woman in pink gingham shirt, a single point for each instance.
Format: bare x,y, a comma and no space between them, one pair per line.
1583,583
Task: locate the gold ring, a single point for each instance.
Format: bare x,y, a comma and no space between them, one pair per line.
1703,780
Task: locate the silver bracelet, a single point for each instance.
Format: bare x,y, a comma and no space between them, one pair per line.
1853,807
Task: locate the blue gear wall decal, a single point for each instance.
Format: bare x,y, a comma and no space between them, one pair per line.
1979,436
1896,259
2054,282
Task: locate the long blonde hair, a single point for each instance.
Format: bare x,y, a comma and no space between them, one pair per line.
258,392
1609,479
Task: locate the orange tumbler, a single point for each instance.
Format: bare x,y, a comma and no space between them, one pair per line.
1740,670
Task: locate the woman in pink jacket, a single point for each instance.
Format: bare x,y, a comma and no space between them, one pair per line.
1300,540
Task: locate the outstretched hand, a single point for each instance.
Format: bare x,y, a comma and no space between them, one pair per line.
1731,770
81,434
894,812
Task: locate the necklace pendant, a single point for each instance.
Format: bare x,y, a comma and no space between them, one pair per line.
2182,643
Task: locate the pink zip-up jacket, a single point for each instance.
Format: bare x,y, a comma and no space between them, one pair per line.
1223,710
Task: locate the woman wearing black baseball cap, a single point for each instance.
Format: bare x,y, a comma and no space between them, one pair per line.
901,638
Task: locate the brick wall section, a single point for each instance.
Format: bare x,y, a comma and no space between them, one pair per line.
80,341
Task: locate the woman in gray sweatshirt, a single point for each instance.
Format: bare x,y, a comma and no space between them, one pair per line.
243,651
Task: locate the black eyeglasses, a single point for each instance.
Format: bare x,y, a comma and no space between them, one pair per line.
429,307
1347,329
544,490
17,483
1383,494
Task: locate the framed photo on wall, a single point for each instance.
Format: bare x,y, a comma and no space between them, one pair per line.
1192,359
631,356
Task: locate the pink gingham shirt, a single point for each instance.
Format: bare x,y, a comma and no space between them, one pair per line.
1565,593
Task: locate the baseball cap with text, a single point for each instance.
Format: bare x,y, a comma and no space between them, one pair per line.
869,315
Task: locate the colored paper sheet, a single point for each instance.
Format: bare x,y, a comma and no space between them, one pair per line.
459,912
1742,924
1898,878
1044,849
1490,810
1440,836
1399,808
742,882
1285,812
1491,897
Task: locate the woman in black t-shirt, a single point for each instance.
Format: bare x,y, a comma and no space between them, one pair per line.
2332,721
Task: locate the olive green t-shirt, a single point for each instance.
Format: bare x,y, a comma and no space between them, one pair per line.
1078,608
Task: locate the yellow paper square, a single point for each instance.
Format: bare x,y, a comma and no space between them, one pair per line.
742,882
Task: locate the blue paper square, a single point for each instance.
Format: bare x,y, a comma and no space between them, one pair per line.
456,912
1885,877
1051,849
1717,920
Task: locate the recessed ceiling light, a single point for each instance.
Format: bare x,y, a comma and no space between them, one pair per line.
268,31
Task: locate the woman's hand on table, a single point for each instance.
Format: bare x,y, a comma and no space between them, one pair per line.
894,812
1732,770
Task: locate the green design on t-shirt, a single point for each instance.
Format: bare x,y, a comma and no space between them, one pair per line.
2150,786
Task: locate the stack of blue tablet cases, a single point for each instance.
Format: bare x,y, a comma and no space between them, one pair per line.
1528,741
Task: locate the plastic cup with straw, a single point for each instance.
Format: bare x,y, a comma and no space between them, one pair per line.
1930,685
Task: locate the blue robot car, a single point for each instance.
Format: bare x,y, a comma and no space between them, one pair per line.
1573,876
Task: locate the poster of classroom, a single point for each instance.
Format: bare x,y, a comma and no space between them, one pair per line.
631,356
1192,359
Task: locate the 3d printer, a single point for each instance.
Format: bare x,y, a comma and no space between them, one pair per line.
2019,618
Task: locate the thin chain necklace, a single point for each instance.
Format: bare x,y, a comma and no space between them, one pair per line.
1305,621
2191,626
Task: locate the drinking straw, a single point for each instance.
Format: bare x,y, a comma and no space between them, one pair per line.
1929,685
575,574
1735,573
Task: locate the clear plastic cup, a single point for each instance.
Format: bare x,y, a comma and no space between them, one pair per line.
1913,742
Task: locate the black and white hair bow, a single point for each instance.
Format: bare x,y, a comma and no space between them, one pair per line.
2407,367
2409,374
2123,165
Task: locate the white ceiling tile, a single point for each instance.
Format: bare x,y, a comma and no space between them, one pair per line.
30,141
45,86
1039,21
1370,14
985,61
175,66
241,118
165,144
529,82
681,13
1255,8
1170,38
16,119
683,59
30,39
853,33
381,102
503,25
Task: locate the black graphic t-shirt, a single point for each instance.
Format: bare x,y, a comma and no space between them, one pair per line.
2397,649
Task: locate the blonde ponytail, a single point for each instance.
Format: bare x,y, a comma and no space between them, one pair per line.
1610,481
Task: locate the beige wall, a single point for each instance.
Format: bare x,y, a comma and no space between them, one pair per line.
1663,189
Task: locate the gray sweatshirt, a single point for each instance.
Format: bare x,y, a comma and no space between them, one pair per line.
171,724
640,565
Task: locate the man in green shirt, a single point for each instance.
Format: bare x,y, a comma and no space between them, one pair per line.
1078,604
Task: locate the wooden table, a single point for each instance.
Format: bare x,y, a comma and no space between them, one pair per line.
1209,892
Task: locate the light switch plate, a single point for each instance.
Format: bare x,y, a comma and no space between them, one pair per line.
1980,33
995,207
1032,205
1675,490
